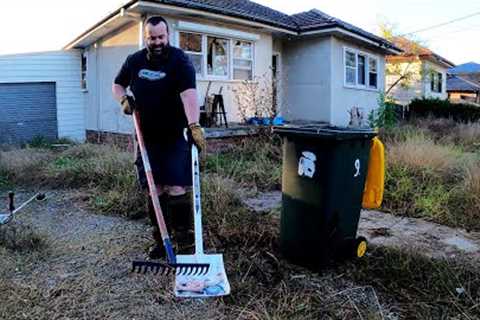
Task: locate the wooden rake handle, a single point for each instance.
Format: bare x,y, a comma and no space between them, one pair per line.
153,190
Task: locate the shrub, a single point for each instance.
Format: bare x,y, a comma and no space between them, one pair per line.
443,109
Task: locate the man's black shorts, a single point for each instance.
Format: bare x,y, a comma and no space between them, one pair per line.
171,163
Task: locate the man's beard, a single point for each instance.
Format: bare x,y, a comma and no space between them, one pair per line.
156,55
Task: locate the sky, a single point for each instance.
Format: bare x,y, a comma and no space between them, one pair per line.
45,25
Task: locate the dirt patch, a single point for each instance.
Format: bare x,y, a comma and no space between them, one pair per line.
85,273
428,238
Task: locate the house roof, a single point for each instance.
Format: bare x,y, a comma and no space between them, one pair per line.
470,67
456,83
310,21
316,20
412,49
236,8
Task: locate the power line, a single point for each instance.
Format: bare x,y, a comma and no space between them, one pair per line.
442,24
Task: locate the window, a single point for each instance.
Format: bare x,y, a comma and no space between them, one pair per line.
350,68
83,83
360,69
191,43
242,60
436,82
372,73
217,57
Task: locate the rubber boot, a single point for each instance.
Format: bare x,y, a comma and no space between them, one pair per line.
157,250
180,208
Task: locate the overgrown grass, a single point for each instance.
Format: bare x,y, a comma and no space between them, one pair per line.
422,288
105,173
433,175
387,281
21,238
265,286
253,163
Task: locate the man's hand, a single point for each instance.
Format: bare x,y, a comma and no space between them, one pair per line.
198,137
128,104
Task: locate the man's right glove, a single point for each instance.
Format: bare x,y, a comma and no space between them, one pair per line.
128,104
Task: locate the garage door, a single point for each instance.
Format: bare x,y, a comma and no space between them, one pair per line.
28,110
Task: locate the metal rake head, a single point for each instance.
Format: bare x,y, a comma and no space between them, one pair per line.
181,269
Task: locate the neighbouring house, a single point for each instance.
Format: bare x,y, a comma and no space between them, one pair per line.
469,71
463,84
322,67
416,73
461,90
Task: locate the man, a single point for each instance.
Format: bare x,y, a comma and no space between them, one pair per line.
162,80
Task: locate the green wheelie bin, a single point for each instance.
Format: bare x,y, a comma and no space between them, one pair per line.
323,179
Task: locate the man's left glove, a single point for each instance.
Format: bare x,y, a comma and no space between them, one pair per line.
196,133
128,104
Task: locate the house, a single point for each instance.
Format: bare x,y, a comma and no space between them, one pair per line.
461,90
469,71
463,84
416,73
322,67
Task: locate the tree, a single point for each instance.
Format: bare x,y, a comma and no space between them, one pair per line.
404,67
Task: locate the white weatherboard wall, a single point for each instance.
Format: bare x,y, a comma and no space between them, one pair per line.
344,98
61,67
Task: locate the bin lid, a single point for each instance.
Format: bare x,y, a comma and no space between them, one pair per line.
325,132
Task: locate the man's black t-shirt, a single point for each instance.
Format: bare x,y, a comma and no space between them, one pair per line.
157,87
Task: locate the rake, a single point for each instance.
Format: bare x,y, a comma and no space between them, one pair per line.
7,217
155,267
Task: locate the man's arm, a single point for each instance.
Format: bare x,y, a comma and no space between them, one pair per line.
118,92
190,105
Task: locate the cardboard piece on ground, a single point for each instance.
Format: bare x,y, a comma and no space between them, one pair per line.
213,284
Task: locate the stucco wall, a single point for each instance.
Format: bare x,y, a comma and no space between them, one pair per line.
307,72
104,61
432,67
420,84
344,98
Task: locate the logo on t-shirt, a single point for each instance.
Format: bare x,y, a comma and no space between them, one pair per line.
151,75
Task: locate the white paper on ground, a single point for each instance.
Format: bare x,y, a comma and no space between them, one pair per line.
213,284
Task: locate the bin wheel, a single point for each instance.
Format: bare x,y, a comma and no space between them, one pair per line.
360,247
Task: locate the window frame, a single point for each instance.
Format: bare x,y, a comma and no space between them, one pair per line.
230,55
201,53
252,59
368,57
229,59
436,82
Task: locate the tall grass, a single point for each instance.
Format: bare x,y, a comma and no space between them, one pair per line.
429,178
253,163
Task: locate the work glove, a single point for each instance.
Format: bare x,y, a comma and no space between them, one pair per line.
128,104
197,136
